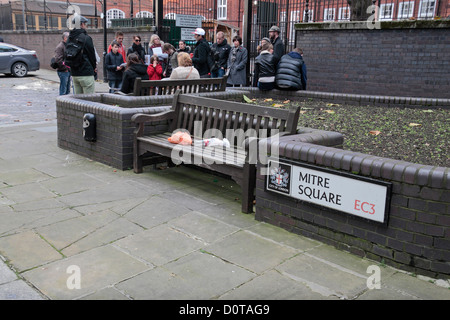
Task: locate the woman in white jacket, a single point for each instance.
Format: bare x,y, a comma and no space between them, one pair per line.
185,70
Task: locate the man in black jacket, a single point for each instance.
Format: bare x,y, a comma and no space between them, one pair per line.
83,75
291,72
221,51
278,45
201,51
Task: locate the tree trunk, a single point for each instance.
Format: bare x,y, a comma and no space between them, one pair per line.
358,9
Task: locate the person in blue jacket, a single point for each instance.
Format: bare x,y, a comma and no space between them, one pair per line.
291,71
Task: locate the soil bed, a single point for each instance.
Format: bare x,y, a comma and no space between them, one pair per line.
418,135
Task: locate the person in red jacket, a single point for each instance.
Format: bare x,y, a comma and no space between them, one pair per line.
154,69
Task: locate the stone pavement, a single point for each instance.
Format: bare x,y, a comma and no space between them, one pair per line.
72,228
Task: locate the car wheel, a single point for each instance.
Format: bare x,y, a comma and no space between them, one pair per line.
19,69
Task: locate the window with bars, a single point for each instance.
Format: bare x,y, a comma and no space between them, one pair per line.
114,14
386,11
144,14
344,13
405,10
426,8
171,16
329,14
221,9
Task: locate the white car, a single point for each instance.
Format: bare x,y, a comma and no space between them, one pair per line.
16,60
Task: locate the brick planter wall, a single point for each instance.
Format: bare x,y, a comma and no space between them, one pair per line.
416,237
402,58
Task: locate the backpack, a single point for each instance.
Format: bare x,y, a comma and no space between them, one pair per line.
73,53
53,63
211,60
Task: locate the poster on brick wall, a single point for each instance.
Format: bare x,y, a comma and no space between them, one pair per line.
359,196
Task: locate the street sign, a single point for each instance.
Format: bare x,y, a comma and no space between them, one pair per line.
355,195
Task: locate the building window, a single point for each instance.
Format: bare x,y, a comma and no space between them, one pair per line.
170,16
386,11
405,10
344,13
295,16
221,9
329,14
114,14
144,14
426,8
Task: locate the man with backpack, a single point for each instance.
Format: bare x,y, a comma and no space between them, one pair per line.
80,57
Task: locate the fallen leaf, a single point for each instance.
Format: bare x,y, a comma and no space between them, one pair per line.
329,111
277,105
268,100
286,101
412,124
428,111
333,105
375,132
247,99
302,111
320,118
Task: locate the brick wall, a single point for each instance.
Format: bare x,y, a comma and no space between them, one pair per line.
45,42
403,58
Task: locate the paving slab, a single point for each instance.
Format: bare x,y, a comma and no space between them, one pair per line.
159,245
18,290
155,211
272,285
97,269
193,277
251,252
27,250
202,227
64,233
324,277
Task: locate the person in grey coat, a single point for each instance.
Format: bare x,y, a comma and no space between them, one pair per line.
237,63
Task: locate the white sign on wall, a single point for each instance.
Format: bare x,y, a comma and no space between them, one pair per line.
190,21
187,34
362,197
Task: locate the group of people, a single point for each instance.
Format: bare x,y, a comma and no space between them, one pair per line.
275,69
272,67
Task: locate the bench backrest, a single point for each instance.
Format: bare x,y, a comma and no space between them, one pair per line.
162,87
228,117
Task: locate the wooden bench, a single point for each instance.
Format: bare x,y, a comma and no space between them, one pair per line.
203,117
162,87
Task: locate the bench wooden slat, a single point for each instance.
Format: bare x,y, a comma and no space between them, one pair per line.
231,156
163,87
221,116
